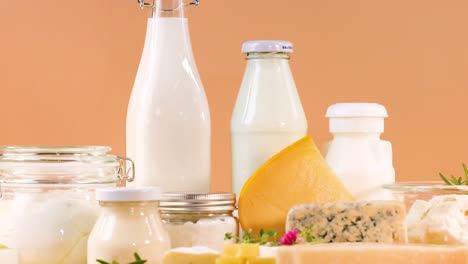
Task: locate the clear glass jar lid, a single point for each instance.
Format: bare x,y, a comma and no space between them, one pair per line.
426,187
185,202
62,165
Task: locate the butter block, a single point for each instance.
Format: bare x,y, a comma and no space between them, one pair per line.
192,255
369,221
372,253
259,260
241,250
230,260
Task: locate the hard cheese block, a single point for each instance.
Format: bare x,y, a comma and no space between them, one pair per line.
372,253
193,255
296,175
376,221
243,254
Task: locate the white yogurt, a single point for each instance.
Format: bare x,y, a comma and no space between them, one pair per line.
48,228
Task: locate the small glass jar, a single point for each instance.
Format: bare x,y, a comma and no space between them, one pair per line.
47,205
129,223
199,219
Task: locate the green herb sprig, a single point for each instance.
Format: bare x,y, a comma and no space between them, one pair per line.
265,237
138,260
454,180
269,238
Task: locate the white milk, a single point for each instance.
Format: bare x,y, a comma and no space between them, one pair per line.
268,115
168,120
357,155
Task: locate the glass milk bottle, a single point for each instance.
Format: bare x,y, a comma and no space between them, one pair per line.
356,154
268,114
168,119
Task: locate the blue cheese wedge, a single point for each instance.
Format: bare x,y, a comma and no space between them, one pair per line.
369,221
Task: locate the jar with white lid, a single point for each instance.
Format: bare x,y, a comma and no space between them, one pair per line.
47,205
129,223
357,154
199,219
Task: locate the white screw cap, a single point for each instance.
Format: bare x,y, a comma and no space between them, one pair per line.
356,117
267,46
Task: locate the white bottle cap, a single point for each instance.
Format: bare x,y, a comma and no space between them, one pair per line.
122,194
267,46
356,117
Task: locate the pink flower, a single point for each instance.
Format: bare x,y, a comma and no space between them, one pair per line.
289,238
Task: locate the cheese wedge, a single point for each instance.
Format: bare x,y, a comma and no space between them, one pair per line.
364,221
296,175
372,253
193,255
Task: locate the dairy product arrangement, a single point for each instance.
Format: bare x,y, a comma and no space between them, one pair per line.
290,203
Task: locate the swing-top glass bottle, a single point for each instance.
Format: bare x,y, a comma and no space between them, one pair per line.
168,119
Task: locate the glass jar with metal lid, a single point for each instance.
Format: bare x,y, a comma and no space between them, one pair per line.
47,205
199,219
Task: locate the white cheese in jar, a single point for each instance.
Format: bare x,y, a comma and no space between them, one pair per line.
199,219
442,220
207,232
50,227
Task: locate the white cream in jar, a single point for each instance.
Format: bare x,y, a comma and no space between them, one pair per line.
199,219
129,223
47,205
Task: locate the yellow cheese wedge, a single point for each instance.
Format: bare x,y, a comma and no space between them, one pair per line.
296,175
372,253
193,255
241,250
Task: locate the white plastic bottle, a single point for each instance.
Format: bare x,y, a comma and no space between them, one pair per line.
268,115
168,119
357,154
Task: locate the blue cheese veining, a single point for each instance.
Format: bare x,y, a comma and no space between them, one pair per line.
370,221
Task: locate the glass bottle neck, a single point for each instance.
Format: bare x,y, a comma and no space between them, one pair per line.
170,8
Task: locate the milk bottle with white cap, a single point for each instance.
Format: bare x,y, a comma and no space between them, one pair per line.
268,114
356,154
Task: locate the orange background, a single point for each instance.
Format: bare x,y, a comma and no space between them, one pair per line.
67,69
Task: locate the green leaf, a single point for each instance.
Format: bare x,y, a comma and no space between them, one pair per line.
465,169
228,236
262,232
444,179
138,259
102,261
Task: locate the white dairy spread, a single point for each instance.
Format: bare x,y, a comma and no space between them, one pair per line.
8,256
50,227
207,232
442,220
194,250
